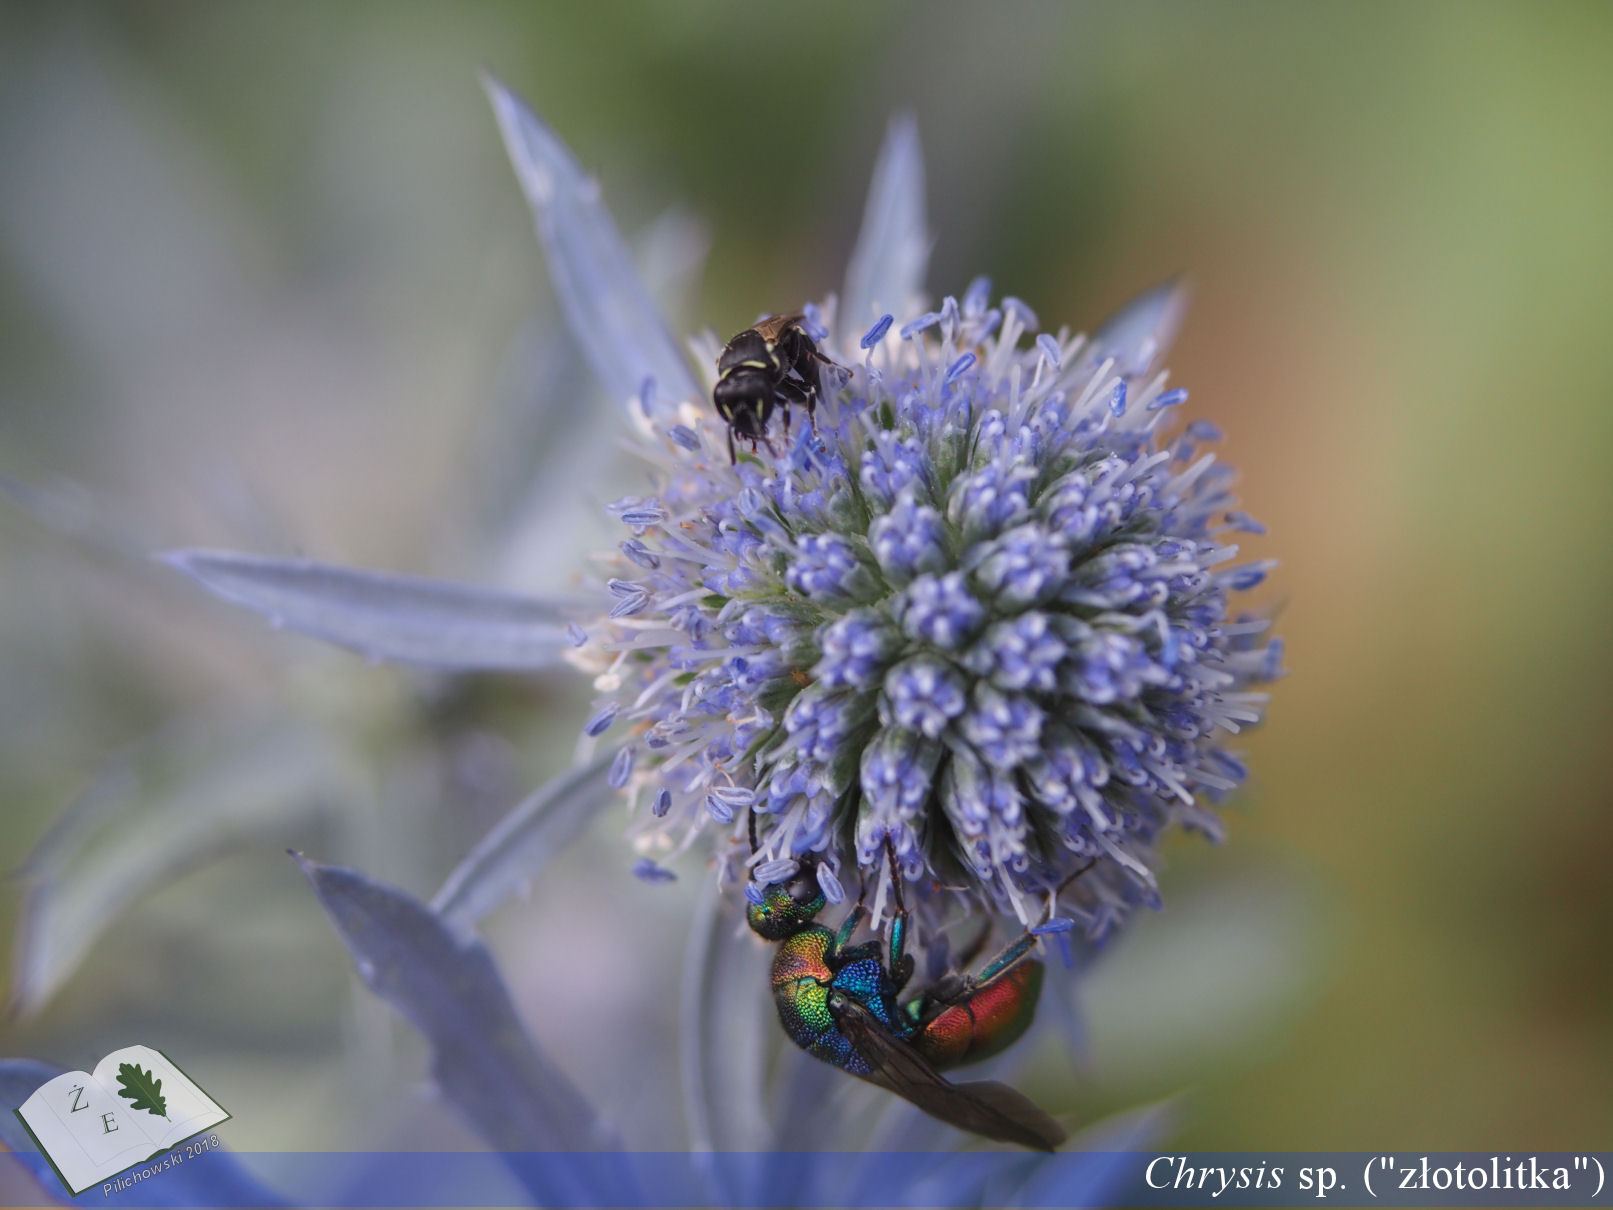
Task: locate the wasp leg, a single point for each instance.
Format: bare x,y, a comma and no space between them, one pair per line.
977,945
899,962
954,988
1010,956
848,927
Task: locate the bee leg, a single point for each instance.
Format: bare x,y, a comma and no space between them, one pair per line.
799,392
813,376
733,458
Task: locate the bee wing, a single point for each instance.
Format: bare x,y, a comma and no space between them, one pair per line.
986,1108
773,325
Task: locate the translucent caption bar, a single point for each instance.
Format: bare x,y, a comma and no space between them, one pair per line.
845,1181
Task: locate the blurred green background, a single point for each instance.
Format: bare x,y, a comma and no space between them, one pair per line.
266,281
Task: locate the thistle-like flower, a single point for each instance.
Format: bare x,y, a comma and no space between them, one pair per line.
979,615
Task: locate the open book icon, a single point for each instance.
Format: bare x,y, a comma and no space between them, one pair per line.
135,1105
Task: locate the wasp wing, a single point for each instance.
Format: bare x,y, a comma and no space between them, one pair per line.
986,1108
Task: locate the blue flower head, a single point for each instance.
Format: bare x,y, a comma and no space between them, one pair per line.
979,615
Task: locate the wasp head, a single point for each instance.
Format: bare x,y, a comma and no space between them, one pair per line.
787,907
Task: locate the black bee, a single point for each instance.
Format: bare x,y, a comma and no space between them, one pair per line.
772,364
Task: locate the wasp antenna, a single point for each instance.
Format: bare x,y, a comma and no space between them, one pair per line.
896,876
750,824
1065,885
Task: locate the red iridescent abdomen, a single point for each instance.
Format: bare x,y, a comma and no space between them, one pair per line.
986,1022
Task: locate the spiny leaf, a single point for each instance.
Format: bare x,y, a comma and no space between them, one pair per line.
521,843
199,788
444,982
142,1089
887,266
611,313
400,619
1138,334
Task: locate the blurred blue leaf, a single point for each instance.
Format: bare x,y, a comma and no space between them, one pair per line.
1093,1169
402,619
963,1178
520,844
672,251
724,1009
1107,1165
69,511
809,1098
193,791
1061,1001
444,983
1225,965
804,1090
1138,1129
609,310
1139,333
19,1079
886,270
539,457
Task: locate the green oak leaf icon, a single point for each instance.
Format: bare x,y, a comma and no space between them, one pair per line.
142,1088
